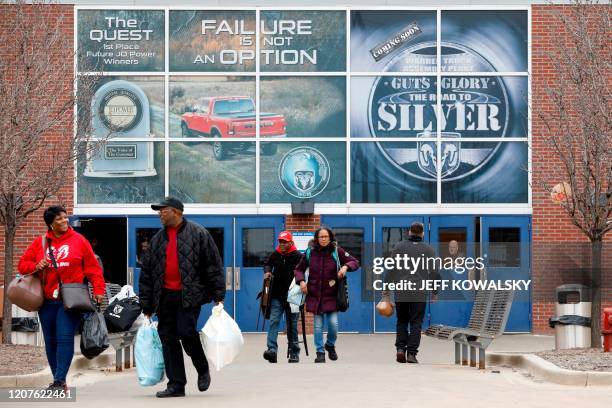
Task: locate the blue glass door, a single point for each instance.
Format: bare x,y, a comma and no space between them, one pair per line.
453,239
388,232
354,234
507,252
255,240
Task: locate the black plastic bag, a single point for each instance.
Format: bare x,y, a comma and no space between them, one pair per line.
121,314
25,324
569,320
94,336
342,299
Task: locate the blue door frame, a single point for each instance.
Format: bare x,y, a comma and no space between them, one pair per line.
450,309
248,280
359,316
520,313
387,324
138,222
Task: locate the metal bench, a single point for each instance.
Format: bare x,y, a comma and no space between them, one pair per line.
487,322
122,341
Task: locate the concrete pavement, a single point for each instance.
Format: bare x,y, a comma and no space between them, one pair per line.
365,375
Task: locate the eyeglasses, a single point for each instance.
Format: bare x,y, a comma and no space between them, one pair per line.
323,236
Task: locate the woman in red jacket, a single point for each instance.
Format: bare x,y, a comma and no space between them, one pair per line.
72,261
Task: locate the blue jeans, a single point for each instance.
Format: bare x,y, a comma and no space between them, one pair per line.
332,330
277,309
58,328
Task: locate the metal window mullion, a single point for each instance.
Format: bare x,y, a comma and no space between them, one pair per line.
166,104
439,105
347,110
257,109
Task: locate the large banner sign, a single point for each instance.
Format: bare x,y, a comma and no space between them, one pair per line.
471,106
121,40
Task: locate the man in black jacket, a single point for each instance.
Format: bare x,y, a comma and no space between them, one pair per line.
410,304
280,264
181,271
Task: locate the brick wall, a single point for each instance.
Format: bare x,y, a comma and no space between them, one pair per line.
34,225
560,252
304,223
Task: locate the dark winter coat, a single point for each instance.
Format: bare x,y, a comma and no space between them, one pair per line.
281,267
321,296
415,248
200,265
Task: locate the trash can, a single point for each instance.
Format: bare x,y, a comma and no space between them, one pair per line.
572,320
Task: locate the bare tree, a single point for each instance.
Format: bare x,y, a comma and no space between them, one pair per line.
38,104
578,127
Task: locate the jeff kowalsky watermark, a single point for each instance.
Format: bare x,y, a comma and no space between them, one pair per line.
410,265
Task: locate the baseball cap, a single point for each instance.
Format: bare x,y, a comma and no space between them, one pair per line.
168,202
285,236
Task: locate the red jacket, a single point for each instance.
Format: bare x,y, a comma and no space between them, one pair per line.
75,261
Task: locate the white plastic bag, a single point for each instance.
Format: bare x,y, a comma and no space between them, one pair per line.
221,338
140,321
149,355
127,291
295,297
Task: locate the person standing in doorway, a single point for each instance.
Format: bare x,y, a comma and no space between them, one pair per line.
181,271
327,263
410,304
280,265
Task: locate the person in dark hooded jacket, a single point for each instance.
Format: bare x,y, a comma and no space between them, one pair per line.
322,287
280,265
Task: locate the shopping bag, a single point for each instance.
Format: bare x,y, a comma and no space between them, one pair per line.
121,313
221,338
127,291
294,295
94,335
149,355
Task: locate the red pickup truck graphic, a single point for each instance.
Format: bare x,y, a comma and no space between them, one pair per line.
230,117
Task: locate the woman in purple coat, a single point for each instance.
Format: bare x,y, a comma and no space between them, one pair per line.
322,288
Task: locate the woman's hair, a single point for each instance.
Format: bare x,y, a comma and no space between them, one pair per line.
332,237
52,212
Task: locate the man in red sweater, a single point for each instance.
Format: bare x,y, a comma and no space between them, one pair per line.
181,271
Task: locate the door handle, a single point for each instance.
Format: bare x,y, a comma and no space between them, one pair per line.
237,278
228,278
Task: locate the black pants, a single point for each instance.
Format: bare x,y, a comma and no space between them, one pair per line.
178,323
409,313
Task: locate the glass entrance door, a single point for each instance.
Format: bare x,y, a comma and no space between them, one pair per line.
388,232
453,239
353,234
507,253
255,240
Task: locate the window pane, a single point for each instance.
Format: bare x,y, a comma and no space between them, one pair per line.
393,40
308,106
125,107
257,244
484,106
218,106
303,41
453,242
218,236
477,40
295,171
214,173
392,172
504,247
212,40
143,240
351,240
484,172
391,236
141,47
122,172
393,106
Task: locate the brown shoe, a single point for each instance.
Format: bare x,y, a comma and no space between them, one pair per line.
400,357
